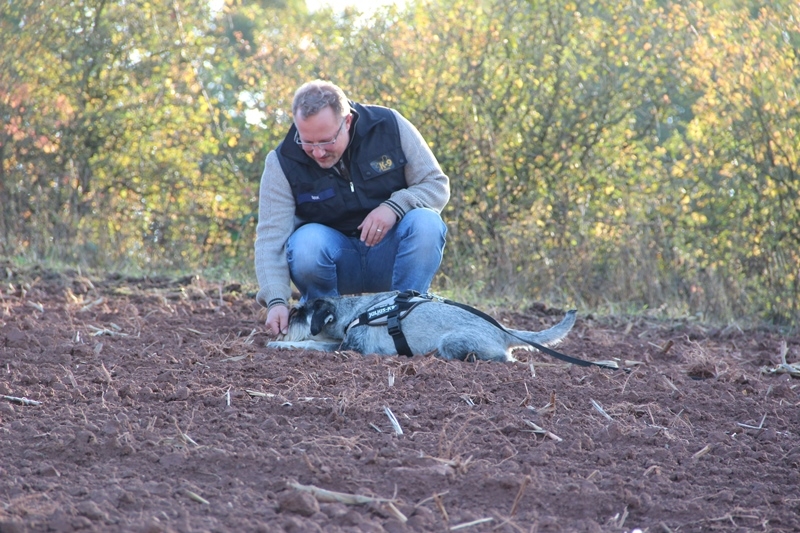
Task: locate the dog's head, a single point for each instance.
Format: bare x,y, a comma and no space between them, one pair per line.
308,320
323,312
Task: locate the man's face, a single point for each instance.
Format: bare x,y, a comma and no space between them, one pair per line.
324,136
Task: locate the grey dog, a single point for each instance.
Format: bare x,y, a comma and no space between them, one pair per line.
434,327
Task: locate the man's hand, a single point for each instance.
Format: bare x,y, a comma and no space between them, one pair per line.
278,319
377,224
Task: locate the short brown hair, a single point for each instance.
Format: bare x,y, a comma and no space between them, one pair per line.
314,96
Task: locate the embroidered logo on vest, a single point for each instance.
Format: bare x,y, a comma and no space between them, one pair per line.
383,165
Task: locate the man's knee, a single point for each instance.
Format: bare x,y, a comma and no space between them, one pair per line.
425,224
306,249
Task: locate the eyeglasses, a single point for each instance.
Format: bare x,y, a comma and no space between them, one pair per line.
311,146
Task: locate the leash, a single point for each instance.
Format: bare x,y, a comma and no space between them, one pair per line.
405,301
541,348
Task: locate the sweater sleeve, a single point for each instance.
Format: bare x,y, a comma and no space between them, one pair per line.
428,186
276,221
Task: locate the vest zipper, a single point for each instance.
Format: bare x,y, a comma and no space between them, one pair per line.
345,173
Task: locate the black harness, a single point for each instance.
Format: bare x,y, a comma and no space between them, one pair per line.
392,314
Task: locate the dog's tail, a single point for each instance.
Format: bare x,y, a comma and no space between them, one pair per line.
548,337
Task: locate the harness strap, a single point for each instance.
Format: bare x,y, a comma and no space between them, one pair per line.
403,301
400,342
391,314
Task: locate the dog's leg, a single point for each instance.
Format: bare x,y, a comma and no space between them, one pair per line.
305,345
457,345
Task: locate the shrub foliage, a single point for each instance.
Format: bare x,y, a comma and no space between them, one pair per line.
642,153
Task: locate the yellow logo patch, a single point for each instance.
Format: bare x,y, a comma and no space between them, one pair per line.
383,165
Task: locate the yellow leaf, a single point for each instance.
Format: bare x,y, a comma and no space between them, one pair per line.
233,141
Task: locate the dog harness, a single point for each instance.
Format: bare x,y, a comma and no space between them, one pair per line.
392,311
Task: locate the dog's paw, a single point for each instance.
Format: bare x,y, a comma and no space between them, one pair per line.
283,345
304,345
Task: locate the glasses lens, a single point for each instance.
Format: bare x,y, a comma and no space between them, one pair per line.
311,146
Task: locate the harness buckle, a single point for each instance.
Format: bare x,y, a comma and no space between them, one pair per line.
393,323
406,296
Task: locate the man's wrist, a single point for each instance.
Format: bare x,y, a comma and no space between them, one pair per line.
398,212
276,302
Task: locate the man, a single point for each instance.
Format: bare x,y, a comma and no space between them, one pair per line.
350,202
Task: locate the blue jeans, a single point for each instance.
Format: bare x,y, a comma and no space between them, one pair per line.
324,262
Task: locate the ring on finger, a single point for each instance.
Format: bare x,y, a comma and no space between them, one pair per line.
379,230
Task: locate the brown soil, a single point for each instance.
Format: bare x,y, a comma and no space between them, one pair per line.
162,410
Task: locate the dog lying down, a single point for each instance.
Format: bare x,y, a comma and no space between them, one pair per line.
429,325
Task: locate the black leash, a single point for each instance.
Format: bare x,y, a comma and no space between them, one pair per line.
543,349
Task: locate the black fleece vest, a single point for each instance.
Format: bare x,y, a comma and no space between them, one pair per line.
377,169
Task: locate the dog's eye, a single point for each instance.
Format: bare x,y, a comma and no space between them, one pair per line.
329,319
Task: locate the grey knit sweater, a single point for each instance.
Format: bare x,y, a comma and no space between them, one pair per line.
428,187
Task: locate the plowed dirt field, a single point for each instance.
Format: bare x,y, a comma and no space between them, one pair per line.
153,405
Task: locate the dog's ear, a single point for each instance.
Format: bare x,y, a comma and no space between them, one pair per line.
298,313
322,313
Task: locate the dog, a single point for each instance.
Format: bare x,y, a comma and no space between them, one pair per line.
431,325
